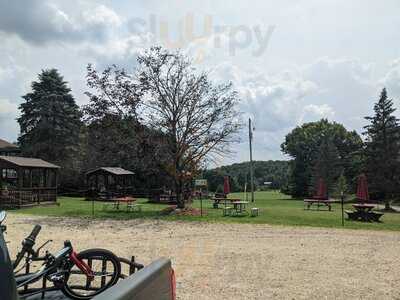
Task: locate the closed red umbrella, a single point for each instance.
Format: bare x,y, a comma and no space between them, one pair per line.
321,190
362,188
227,187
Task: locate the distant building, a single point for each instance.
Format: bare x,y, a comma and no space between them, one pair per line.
110,181
26,181
8,149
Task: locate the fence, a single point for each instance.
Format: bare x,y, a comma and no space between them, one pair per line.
23,198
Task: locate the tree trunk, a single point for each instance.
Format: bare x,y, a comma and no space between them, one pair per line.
180,200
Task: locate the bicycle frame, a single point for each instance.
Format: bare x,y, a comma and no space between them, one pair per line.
64,257
44,270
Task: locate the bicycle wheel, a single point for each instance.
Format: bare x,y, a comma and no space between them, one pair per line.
106,268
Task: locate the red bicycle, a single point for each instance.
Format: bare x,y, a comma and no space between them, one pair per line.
78,275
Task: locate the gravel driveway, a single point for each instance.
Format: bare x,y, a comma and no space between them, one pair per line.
241,261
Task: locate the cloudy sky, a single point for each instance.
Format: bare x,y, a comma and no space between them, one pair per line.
291,61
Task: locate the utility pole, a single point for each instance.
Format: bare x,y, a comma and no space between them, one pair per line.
251,161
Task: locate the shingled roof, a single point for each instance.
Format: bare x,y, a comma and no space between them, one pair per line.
28,162
112,170
6,145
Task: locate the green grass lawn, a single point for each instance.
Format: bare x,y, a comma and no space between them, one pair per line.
275,208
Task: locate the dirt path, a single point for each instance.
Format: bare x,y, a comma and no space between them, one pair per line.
235,261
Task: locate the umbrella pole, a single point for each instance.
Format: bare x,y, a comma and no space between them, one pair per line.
201,202
92,207
342,202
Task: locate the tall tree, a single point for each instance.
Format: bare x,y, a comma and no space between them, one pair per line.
382,148
50,123
198,118
303,143
115,135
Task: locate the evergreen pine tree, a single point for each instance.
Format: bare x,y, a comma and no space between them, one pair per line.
382,148
50,122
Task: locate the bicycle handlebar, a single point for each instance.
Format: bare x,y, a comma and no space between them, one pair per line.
34,233
27,245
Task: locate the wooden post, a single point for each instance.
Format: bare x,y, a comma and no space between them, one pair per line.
20,179
30,176
342,202
251,161
201,202
92,207
17,195
56,181
106,182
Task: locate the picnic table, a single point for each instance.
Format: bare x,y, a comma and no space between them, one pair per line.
240,206
326,202
116,202
363,212
364,207
218,200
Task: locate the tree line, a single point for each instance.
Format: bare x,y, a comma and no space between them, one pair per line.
327,150
164,121
270,174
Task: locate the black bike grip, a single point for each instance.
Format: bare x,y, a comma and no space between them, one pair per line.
35,232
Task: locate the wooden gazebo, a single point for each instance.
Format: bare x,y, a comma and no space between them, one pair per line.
7,148
110,181
27,181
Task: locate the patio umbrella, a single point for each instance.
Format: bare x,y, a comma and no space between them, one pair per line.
321,189
362,188
227,187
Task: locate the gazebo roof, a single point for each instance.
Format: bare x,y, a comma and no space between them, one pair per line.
28,162
112,170
6,145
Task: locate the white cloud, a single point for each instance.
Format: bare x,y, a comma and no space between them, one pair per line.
277,102
101,16
43,21
7,108
312,112
392,79
8,114
273,101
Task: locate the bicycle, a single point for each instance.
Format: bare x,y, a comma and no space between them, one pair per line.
79,276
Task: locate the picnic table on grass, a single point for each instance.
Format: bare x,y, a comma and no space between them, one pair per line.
240,207
120,201
363,212
218,200
320,202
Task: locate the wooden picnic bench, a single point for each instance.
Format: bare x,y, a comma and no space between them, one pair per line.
320,202
363,212
218,201
116,203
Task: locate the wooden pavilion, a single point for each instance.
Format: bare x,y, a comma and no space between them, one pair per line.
8,149
27,182
108,182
